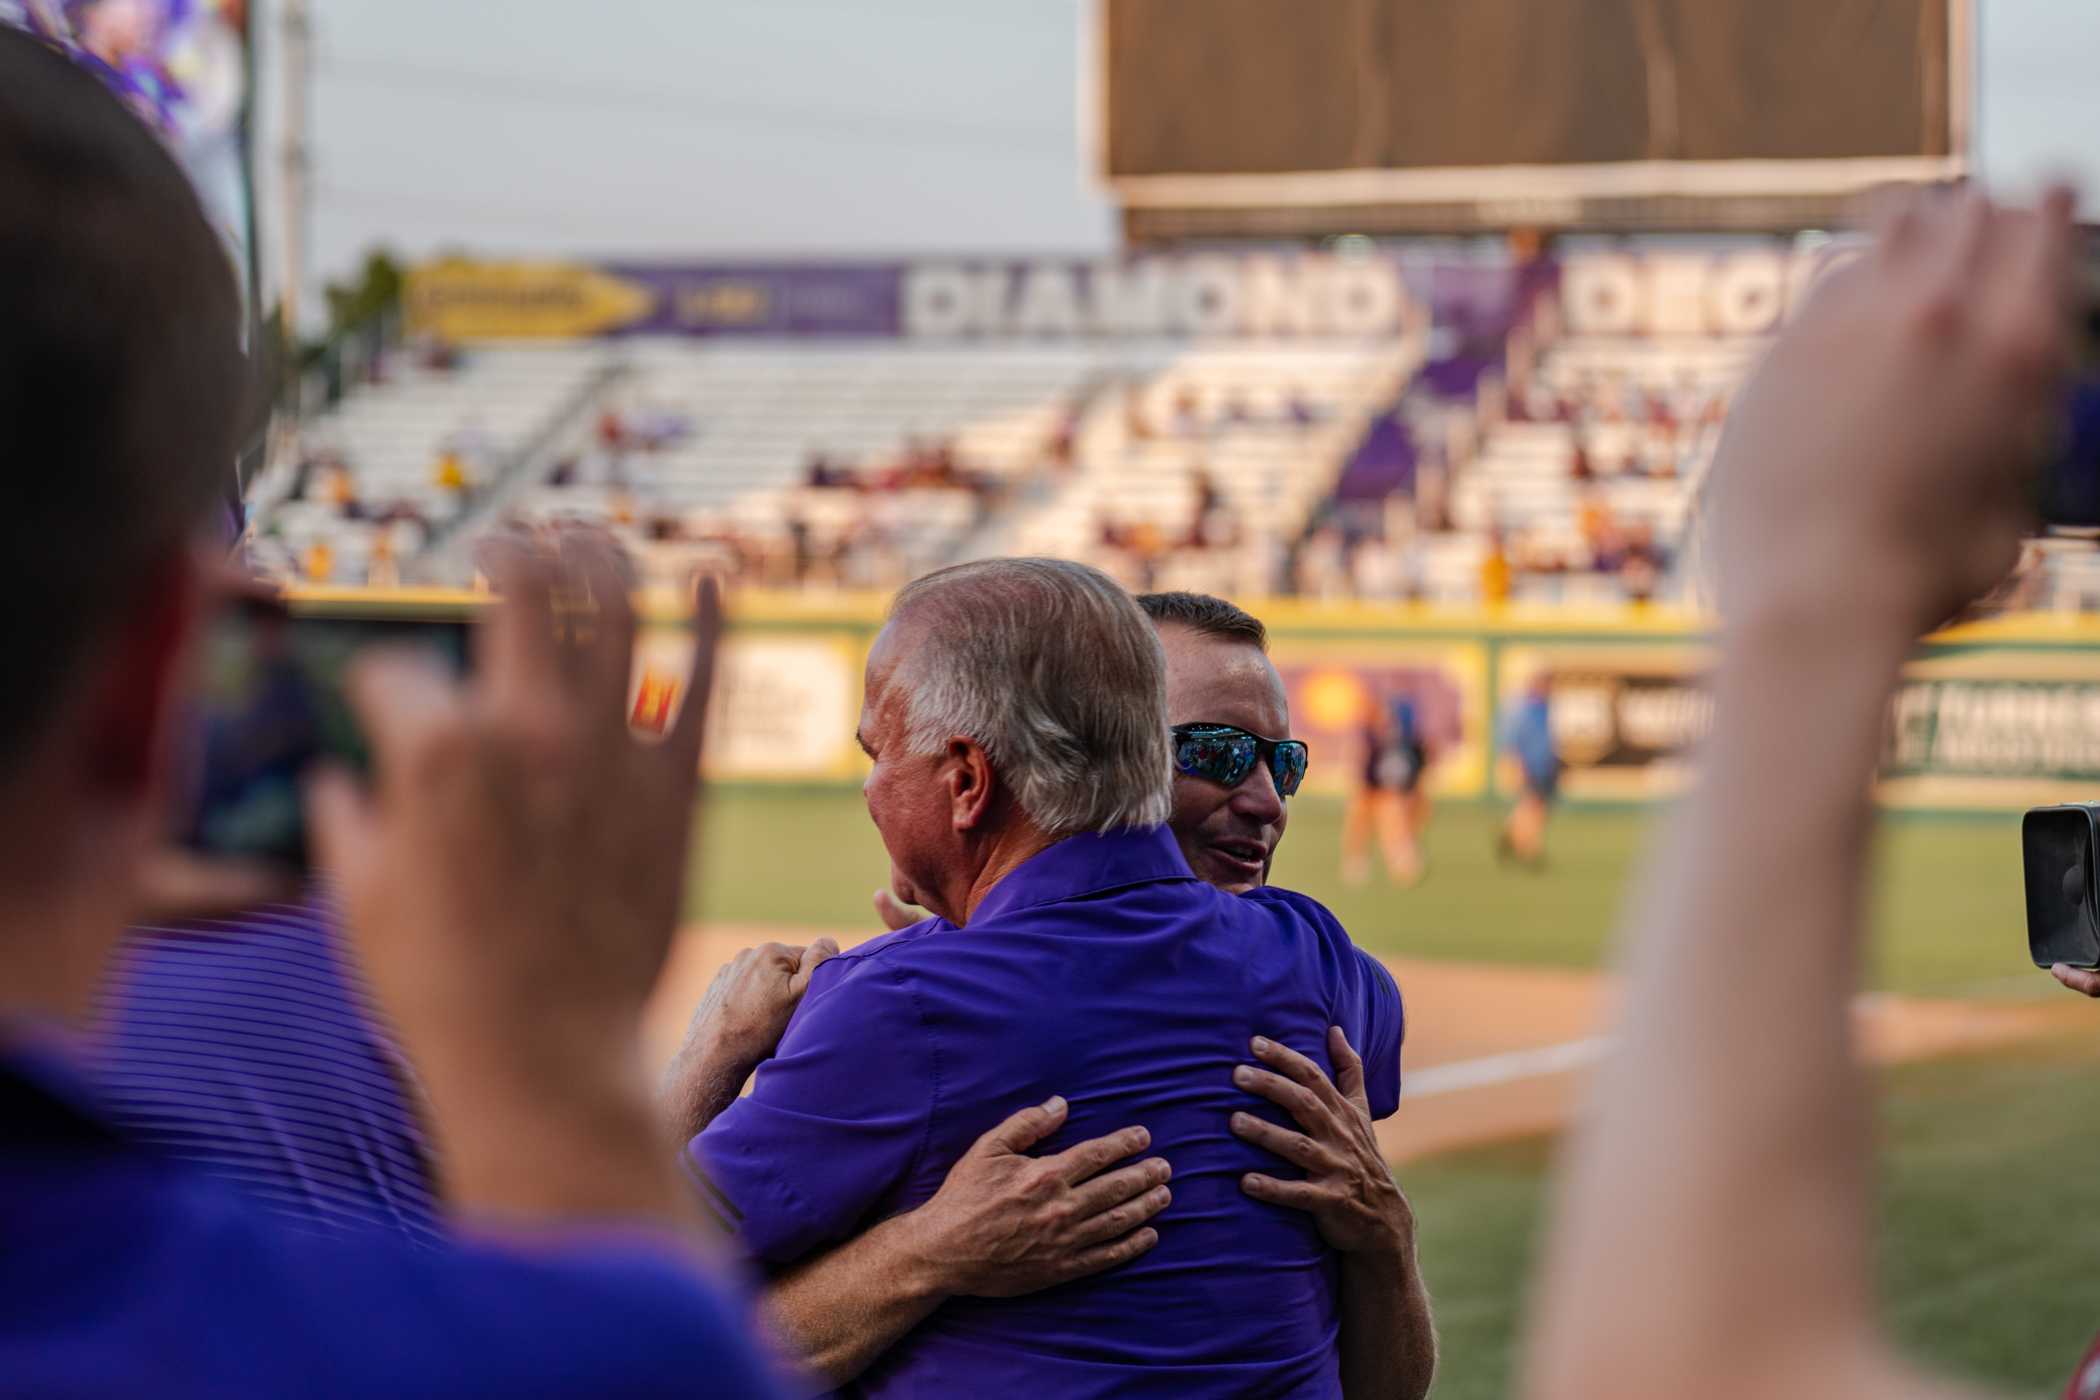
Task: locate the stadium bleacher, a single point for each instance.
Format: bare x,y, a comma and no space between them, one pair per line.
486,405
1566,473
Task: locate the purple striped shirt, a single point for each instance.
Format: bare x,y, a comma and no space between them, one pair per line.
251,1048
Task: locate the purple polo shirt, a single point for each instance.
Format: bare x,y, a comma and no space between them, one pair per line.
123,1272
250,1047
1102,970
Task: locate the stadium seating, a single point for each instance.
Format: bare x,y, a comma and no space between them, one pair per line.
1170,463
1606,434
712,458
488,406
1266,427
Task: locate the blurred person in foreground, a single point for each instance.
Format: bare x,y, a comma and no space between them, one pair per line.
1016,717
513,876
1005,1224
1715,1212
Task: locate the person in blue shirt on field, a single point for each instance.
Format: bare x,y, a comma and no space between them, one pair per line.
1015,716
513,876
1529,753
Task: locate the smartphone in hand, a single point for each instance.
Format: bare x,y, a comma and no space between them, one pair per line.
268,704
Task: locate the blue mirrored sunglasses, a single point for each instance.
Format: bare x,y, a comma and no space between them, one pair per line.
1225,754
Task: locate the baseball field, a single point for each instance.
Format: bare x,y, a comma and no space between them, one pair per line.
1990,1078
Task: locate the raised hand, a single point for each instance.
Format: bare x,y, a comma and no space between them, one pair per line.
513,879
1005,1223
1875,467
1348,1189
737,1025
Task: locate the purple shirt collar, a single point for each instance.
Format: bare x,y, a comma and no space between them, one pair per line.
1089,863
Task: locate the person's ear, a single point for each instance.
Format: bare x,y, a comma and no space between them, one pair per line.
967,775
128,723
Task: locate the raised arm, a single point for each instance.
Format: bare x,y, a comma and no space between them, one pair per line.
512,880
1388,1334
1712,1235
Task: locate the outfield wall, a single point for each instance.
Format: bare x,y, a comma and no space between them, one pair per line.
1991,716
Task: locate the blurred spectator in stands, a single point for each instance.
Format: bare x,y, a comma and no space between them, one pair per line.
612,429
821,474
450,473
318,563
801,553
1497,575
1147,545
1237,412
1214,524
339,489
382,568
1595,525
439,355
1186,418
1064,435
1322,568
1580,468
1299,409
1433,497
1642,563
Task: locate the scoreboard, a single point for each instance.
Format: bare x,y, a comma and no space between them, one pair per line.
1245,118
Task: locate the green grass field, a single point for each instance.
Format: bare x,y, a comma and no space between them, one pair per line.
1990,1243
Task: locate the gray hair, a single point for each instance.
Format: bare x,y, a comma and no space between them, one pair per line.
1052,668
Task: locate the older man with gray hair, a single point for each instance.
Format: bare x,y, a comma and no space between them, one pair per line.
1016,718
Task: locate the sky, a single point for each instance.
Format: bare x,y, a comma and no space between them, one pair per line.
705,128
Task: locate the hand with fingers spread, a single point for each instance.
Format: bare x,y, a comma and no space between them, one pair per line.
1388,1341
1005,1223
737,1025
1348,1189
1002,1224
1875,467
512,878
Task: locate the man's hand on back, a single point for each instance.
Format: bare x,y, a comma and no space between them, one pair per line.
1001,1225
1388,1338
1005,1223
1348,1189
513,878
736,1027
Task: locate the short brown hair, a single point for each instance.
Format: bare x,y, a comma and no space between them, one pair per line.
1213,617
122,381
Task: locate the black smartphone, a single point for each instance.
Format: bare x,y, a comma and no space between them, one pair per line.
2058,846
268,703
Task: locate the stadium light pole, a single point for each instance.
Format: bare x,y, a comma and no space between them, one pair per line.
296,27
